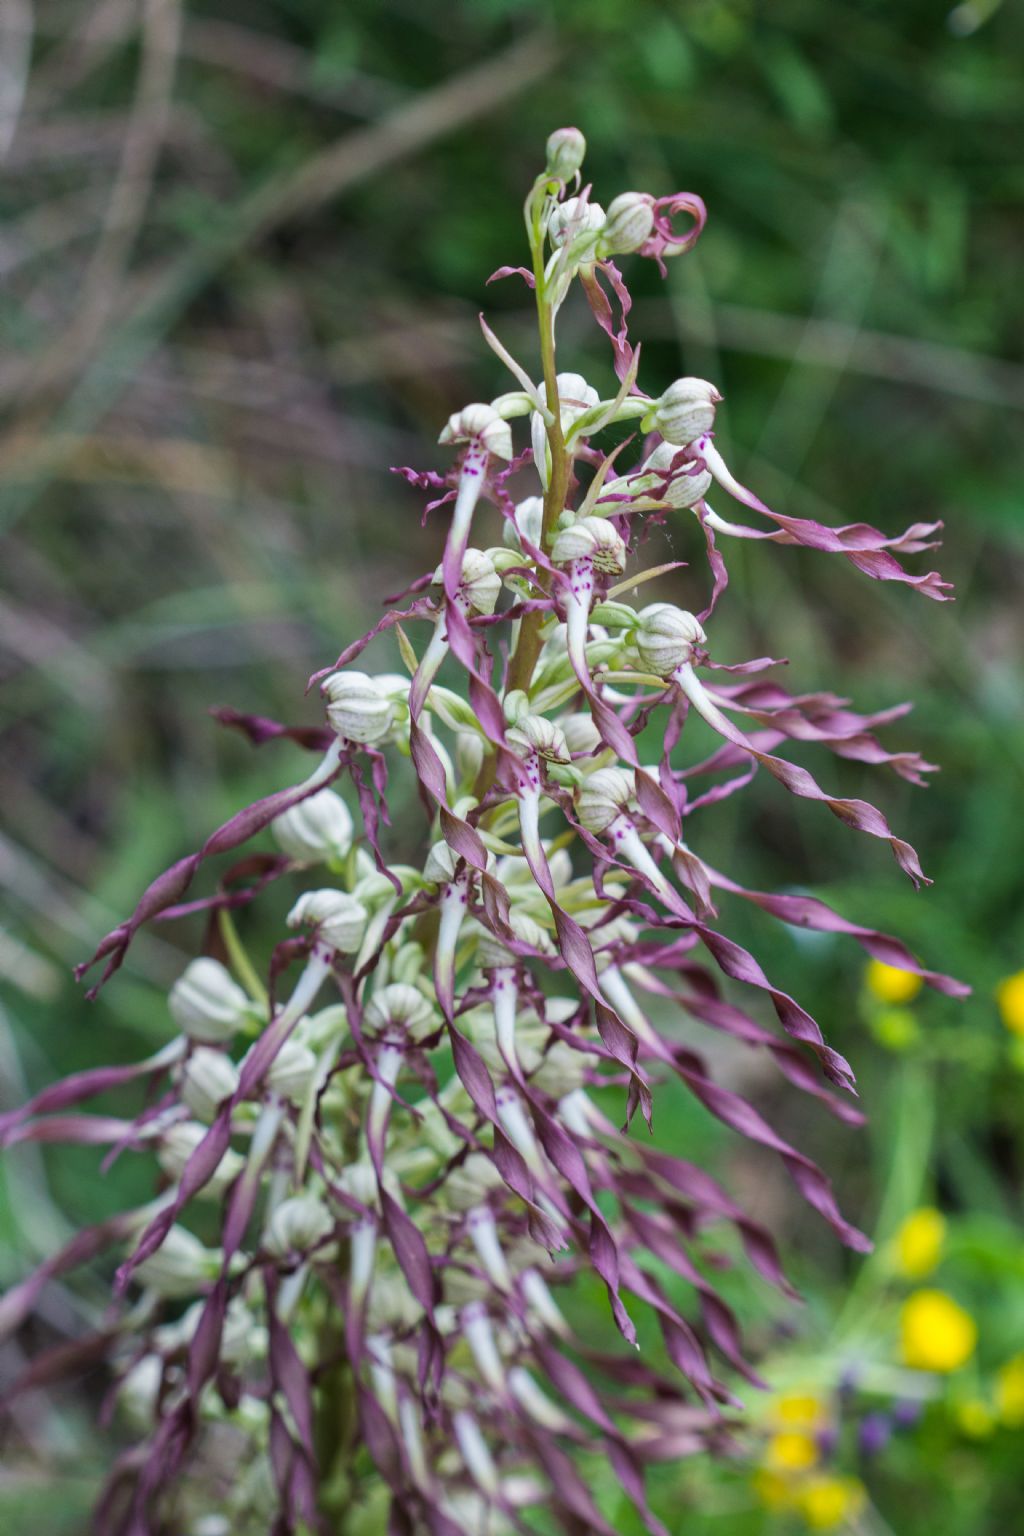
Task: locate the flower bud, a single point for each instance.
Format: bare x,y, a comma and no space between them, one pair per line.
206,1004
479,582
529,520
534,735
297,1225
399,1009
492,954
469,755
291,1071
408,962
316,829
339,919
138,1394
357,708
180,1266
687,486
373,889
479,423
590,538
391,1304
561,1070
575,398
360,1182
603,797
577,221
515,874
685,411
242,1338
566,148
439,868
581,734
469,1182
665,637
629,222
207,1079
178,1143
323,1028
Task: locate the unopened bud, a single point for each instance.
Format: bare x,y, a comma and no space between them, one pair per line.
603,797
400,1009
469,1183
629,222
469,756
298,1225
561,1070
581,734
339,919
529,521
360,1181
576,222
590,538
291,1071
533,735
566,148
357,708
479,583
688,485
139,1392
180,1266
315,829
479,423
408,962
178,1143
575,397
685,411
439,868
665,637
207,1079
492,954
392,1305
206,1004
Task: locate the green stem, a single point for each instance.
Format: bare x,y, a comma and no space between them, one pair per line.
528,646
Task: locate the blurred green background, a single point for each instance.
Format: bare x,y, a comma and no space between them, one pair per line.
243,252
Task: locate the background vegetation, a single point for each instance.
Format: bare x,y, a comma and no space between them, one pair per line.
243,252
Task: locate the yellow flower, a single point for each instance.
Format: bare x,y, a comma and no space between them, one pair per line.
828,1501
918,1242
936,1333
891,985
800,1410
791,1451
975,1418
1010,1392
1010,1001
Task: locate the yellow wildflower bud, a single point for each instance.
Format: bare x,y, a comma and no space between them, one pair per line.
918,1242
791,1451
891,985
1010,1002
1010,1392
936,1333
828,1501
